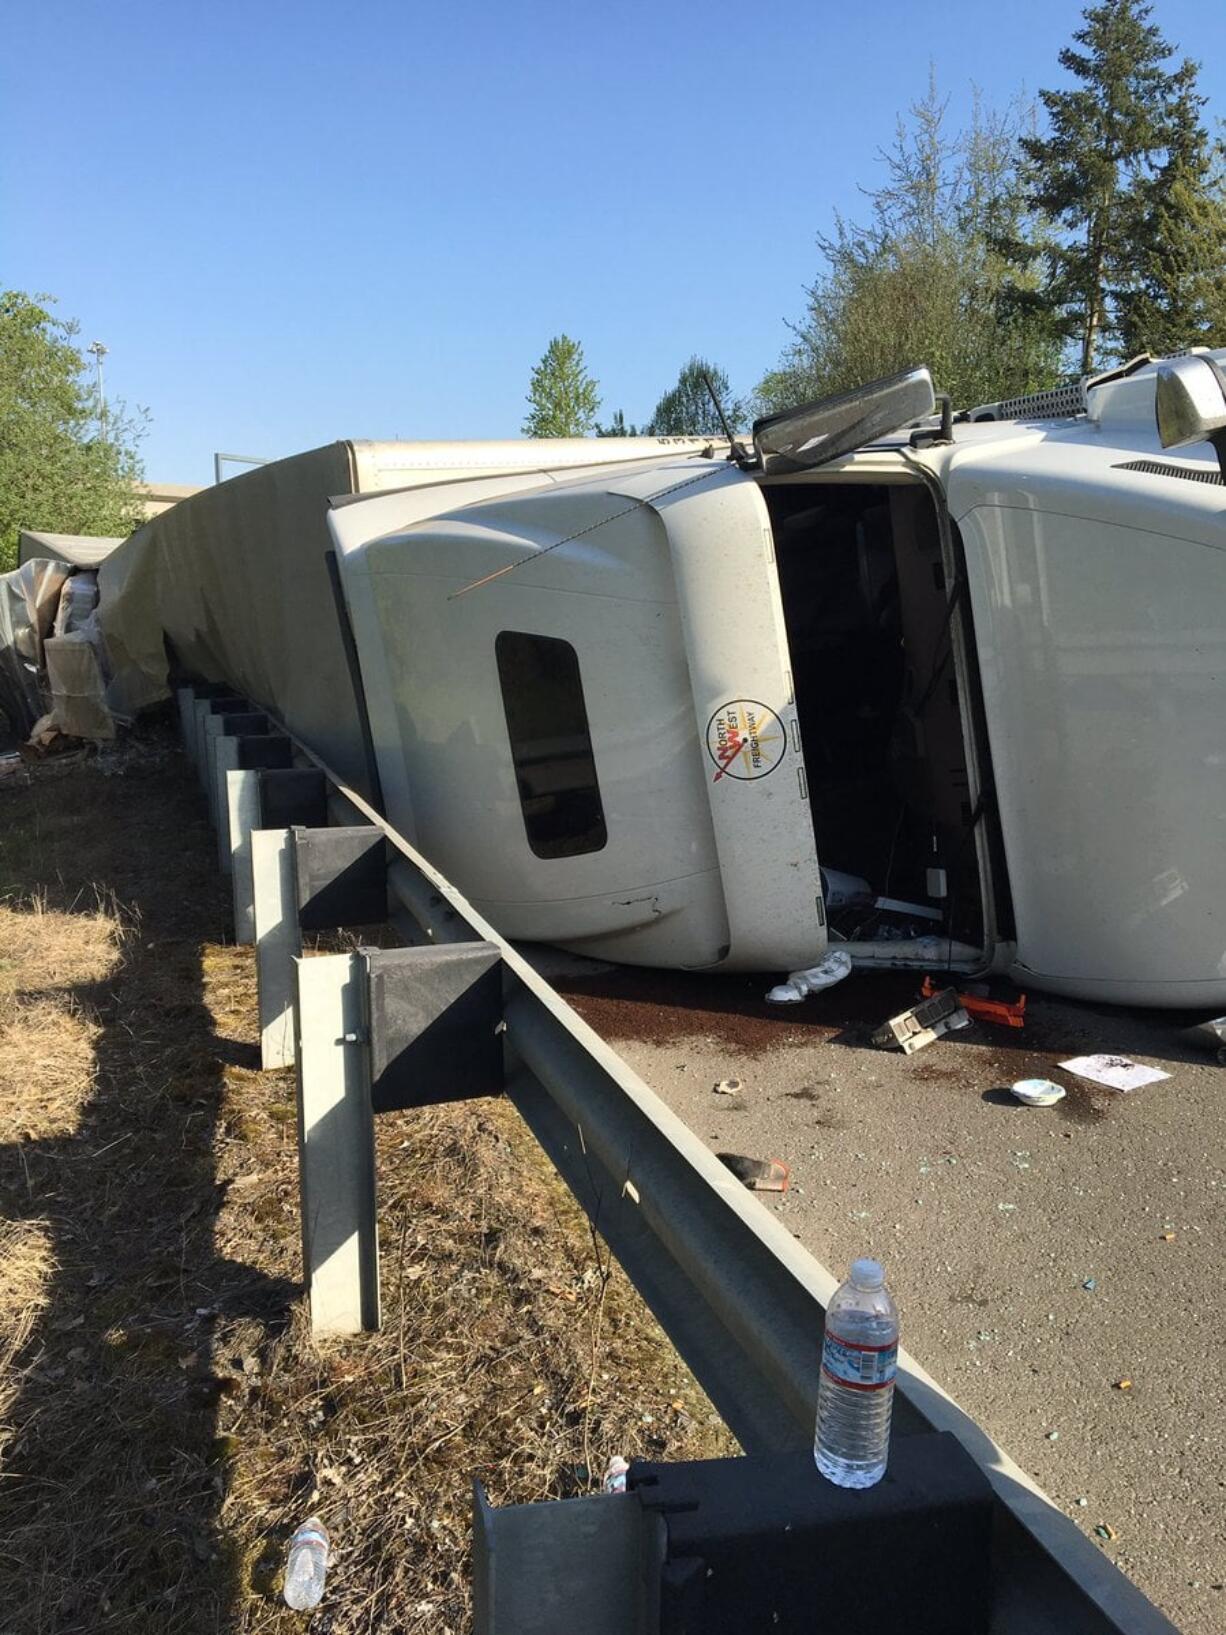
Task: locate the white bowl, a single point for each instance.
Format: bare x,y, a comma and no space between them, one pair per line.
1037,1092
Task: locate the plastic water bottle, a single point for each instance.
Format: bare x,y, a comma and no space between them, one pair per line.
855,1391
307,1565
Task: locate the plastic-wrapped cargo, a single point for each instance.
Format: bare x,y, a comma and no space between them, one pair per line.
29,602
77,686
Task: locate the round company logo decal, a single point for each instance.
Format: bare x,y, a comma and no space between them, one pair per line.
745,739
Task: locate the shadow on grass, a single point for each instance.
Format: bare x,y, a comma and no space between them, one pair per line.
113,1479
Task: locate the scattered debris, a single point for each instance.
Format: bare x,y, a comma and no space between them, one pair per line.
1116,1072
758,1174
727,1087
840,889
977,1001
1083,1503
1168,1237
1053,1436
1105,1530
1037,1092
1123,1385
307,1566
615,1474
1209,1035
923,1023
1090,1284
800,984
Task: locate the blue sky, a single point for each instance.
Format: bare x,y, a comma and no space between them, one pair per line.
296,222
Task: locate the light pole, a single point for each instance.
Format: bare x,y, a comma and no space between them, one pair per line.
97,351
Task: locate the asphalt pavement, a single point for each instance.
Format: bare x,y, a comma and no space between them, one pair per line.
1041,1258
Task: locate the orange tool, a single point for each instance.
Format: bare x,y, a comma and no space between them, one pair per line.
1004,1012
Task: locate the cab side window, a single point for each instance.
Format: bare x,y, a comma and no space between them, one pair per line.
551,746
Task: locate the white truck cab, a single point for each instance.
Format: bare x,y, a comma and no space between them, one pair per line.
949,697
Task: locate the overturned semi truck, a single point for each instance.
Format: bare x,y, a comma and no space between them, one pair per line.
932,689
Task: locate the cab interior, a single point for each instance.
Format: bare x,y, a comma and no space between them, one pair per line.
870,624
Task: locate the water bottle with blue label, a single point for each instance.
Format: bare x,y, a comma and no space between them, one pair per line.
855,1391
307,1566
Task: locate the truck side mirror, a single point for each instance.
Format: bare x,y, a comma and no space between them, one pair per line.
1190,402
815,433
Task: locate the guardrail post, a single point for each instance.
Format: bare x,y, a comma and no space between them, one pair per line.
374,1031
249,722
336,1148
313,880
278,941
205,710
242,754
266,798
186,700
187,697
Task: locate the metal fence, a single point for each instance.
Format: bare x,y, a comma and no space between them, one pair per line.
740,1299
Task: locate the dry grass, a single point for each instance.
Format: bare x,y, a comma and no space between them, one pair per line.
50,960
168,1418
506,1355
44,948
26,1269
46,1067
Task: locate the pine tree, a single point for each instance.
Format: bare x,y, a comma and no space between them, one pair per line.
1179,297
1091,173
562,397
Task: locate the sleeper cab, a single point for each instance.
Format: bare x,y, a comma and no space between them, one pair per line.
565,728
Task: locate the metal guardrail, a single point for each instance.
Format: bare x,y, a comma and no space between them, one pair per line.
739,1298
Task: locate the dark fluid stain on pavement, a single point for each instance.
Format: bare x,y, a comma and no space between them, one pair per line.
662,1007
966,1298
821,1120
930,1073
1083,1105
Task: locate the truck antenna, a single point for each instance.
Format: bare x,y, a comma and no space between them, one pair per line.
736,450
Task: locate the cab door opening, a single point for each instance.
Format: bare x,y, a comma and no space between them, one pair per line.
869,621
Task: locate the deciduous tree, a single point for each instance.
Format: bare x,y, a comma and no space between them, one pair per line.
926,278
562,398
58,471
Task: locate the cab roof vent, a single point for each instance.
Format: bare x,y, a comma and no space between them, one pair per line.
1058,403
1168,468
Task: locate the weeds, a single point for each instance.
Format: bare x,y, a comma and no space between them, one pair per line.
166,1419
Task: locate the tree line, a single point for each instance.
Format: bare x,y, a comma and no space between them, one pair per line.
1040,243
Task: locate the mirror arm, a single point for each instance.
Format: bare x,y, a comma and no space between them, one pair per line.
1217,439
945,433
